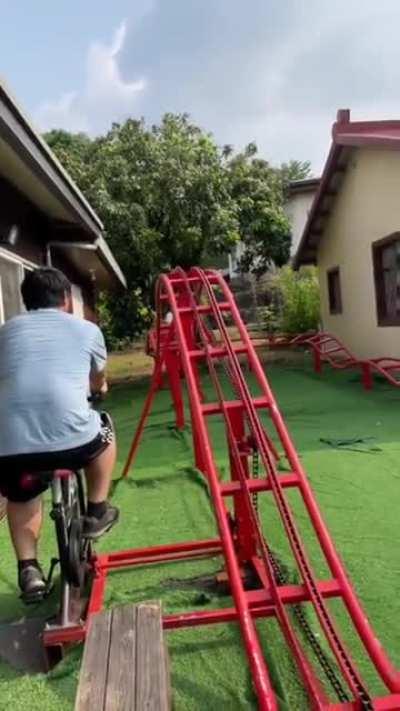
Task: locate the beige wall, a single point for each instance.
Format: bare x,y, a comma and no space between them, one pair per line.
297,208
366,209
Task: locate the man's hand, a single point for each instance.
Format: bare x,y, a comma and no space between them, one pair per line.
98,383
104,388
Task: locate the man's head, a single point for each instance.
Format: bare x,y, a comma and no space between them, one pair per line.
46,288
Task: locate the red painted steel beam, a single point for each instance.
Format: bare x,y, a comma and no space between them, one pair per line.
389,674
383,703
214,408
183,294
216,352
262,682
165,558
247,522
181,547
58,636
260,602
258,485
212,617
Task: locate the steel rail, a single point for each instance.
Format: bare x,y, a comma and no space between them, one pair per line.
342,656
389,674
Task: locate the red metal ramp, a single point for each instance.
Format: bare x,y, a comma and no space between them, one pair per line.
327,348
196,299
198,341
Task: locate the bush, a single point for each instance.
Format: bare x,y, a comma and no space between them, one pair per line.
123,319
268,317
300,302
293,304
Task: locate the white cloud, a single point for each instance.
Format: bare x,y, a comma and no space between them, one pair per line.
276,74
64,112
106,96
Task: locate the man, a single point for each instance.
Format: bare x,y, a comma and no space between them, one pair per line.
48,360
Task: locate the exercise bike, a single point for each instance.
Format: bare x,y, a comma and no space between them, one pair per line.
74,552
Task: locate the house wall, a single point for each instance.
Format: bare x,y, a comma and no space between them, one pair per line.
33,229
297,208
365,210
34,232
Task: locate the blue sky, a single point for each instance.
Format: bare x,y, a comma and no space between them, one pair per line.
273,71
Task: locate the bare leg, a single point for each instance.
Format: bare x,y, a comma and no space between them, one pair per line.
99,472
25,522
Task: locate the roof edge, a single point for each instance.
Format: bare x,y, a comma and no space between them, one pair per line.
34,135
333,156
107,256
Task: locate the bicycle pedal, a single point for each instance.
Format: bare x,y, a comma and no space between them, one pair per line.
33,598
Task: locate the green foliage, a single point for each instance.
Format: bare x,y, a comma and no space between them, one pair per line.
293,301
163,196
168,195
300,309
268,316
121,319
257,189
294,170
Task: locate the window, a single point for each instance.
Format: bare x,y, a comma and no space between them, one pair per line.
334,291
12,272
386,260
77,301
10,278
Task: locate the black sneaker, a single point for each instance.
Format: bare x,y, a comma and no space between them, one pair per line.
32,584
95,527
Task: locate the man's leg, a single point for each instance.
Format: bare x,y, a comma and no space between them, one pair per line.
100,515
99,473
25,522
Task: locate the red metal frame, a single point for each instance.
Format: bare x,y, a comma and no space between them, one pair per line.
329,349
192,298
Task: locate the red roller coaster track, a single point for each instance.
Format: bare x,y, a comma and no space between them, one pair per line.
201,304
329,349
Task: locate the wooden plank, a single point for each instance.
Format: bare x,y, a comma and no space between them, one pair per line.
152,688
94,671
121,682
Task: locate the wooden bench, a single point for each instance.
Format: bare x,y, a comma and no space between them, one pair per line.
125,664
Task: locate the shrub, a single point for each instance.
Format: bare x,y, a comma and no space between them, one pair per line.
123,319
300,302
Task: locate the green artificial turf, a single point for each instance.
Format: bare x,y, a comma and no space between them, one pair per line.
357,485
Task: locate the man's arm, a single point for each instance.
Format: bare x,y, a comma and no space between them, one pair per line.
98,381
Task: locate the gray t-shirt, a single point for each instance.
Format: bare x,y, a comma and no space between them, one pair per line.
46,357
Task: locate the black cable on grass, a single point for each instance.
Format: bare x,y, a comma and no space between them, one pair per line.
348,444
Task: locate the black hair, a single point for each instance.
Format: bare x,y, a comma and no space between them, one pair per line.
45,288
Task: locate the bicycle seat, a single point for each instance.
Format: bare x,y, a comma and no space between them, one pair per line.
30,477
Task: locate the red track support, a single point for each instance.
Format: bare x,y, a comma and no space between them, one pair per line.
194,299
327,348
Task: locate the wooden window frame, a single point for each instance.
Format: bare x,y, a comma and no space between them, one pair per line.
334,310
382,319
22,264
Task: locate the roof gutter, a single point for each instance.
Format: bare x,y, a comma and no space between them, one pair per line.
100,246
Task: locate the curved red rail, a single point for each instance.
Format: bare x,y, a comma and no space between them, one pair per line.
200,302
327,348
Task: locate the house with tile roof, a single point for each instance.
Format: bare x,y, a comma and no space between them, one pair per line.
352,234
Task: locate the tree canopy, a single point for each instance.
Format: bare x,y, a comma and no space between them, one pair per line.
170,195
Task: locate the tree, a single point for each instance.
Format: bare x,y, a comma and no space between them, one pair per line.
257,190
162,194
168,195
294,170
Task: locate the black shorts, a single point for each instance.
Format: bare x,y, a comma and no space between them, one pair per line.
17,487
